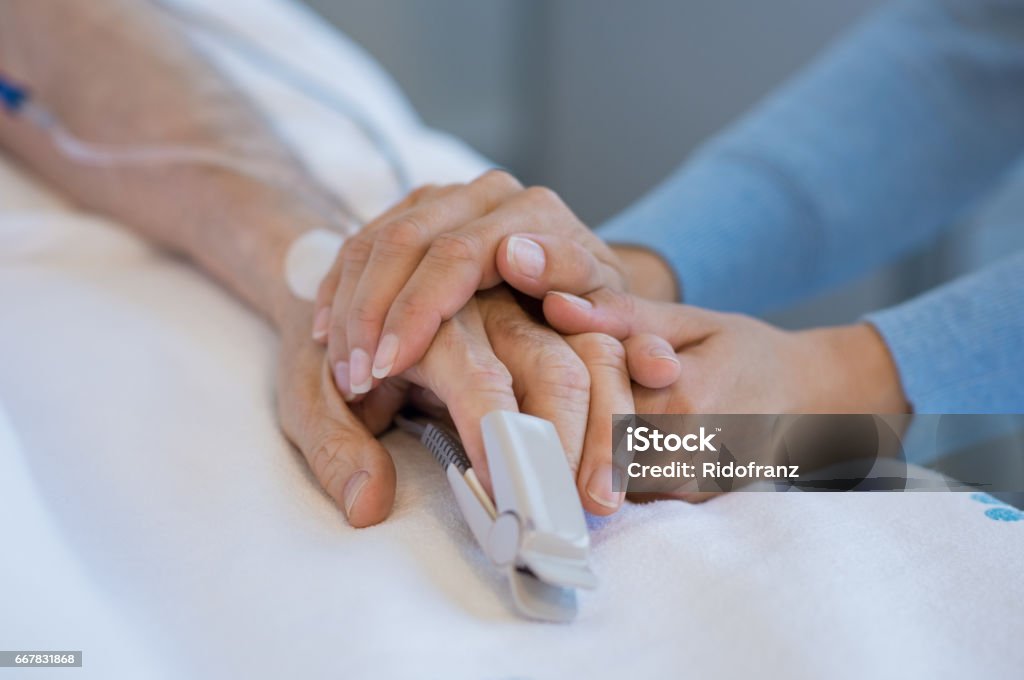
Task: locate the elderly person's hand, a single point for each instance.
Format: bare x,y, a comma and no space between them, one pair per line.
491,355
395,283
239,228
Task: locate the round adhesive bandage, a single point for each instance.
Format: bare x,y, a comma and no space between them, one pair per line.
309,258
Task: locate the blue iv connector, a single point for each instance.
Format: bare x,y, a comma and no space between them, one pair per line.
12,96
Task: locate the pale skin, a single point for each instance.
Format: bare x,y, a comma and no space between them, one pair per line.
417,264
416,268
125,75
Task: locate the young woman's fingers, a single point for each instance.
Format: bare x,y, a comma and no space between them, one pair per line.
557,251
460,262
396,248
352,259
601,311
457,264
652,360
536,264
348,269
622,315
689,393
348,462
350,264
599,482
461,369
322,304
328,287
549,379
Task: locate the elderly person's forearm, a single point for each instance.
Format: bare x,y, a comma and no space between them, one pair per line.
125,74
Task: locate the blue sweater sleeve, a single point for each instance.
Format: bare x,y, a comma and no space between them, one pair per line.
885,140
960,348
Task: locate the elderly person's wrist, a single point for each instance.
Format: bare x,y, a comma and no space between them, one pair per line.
250,258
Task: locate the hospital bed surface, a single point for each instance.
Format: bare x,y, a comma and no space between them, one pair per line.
154,517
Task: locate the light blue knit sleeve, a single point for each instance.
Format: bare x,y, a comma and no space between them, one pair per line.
886,139
960,347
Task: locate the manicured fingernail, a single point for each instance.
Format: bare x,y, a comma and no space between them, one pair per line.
351,493
576,300
320,323
385,357
600,486
341,380
359,371
525,255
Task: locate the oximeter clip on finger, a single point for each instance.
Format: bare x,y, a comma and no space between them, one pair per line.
535,527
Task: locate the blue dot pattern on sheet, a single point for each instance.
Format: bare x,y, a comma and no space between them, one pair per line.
1002,512
1006,514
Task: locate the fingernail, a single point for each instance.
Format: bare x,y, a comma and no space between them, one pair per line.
599,488
320,323
385,357
578,301
359,371
341,379
525,255
664,354
351,493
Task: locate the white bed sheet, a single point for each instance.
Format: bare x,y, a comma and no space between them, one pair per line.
153,516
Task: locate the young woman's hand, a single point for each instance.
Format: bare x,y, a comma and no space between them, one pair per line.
736,364
730,363
412,268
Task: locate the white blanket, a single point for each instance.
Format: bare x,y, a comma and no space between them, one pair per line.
153,516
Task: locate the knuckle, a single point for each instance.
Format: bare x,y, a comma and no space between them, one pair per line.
406,306
337,327
325,461
624,307
562,373
687,404
421,192
544,196
500,178
364,312
456,247
626,303
405,233
549,364
356,251
506,319
599,349
490,375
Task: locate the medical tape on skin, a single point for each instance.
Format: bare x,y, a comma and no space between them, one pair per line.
308,260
